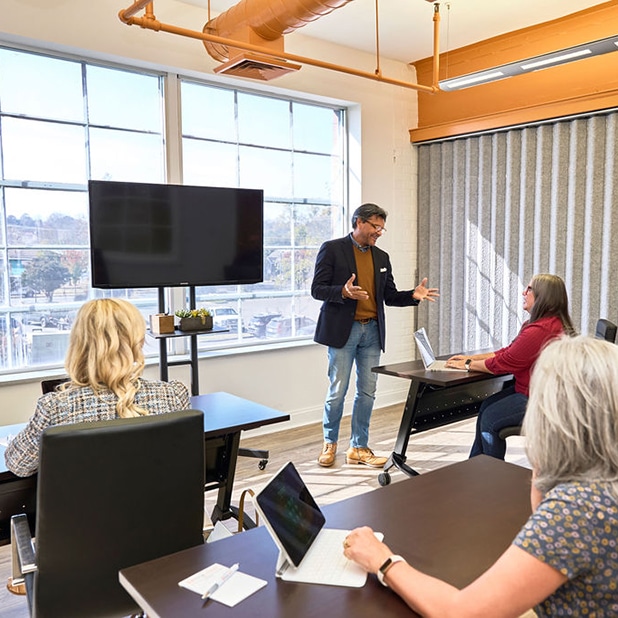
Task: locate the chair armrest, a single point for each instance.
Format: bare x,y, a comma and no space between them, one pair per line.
22,547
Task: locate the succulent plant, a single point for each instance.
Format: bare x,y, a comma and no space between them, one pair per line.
193,313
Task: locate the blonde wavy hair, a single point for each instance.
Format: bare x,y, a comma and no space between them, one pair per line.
571,421
105,351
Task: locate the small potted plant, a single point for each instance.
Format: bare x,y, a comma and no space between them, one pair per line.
194,319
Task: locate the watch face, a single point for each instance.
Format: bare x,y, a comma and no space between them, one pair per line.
386,564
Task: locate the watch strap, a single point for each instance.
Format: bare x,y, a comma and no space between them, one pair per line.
388,563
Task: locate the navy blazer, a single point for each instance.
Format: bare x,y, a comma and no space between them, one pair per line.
334,265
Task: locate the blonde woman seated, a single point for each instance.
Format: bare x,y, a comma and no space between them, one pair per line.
104,363
564,561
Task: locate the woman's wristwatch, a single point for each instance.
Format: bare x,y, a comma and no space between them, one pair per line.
468,363
388,563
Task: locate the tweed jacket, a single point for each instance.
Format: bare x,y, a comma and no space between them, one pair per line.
78,405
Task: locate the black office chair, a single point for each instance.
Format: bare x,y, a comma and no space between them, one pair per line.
511,430
111,494
49,386
606,330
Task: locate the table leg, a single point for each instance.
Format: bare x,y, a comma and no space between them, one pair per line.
397,458
226,472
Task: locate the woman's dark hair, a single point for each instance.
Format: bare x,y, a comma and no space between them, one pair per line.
550,299
366,211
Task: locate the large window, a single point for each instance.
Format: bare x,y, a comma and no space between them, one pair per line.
64,121
295,153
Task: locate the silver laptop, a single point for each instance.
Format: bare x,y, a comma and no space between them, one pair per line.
427,355
308,552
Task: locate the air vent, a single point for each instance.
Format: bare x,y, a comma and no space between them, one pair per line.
256,66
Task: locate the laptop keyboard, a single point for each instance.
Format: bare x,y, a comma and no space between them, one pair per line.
325,560
325,563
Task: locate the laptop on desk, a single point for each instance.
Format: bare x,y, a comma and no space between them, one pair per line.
427,355
308,552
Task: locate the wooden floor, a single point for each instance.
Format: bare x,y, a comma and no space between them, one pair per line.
426,451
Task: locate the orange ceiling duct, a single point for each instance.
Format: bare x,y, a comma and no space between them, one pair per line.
264,22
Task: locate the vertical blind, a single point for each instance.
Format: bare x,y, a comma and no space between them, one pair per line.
495,209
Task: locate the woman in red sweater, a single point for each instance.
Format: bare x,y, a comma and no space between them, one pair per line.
546,300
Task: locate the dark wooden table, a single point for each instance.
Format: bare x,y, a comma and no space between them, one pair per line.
452,523
435,398
17,495
226,416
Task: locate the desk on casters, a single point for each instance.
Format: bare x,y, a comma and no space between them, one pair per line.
435,398
225,418
451,523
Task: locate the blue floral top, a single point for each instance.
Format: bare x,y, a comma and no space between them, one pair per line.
575,530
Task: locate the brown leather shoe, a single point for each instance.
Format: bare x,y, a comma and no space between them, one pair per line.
327,456
364,456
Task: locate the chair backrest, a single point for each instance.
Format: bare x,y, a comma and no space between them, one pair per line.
49,386
606,330
112,494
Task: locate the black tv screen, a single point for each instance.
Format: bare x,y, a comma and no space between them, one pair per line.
152,235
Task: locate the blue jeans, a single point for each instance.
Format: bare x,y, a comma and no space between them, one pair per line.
362,347
501,410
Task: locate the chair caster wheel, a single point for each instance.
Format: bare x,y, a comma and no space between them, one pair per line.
384,478
262,464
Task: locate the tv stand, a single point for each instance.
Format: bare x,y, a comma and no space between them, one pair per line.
165,364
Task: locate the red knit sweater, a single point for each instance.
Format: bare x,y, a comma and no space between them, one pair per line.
520,355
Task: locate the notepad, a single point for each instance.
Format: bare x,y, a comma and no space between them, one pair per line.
233,591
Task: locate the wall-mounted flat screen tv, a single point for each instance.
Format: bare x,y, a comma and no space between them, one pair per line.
152,235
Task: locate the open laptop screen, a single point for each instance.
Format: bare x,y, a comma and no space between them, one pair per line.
291,511
424,347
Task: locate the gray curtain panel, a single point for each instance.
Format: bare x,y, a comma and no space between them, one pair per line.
495,209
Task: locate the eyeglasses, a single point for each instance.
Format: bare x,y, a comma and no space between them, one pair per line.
378,228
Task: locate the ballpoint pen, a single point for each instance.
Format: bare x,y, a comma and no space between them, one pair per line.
220,581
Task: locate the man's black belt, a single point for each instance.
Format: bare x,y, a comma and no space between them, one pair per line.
365,320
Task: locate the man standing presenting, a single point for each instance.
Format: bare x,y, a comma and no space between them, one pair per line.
354,280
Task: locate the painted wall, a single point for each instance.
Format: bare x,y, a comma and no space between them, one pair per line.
293,379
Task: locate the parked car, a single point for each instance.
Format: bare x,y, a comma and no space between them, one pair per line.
43,319
258,323
282,327
60,319
226,317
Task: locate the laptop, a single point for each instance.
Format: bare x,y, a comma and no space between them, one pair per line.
308,552
427,355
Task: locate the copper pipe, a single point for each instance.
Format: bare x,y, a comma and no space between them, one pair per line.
436,47
137,6
149,23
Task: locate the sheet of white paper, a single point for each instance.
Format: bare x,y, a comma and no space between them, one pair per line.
4,440
234,590
237,588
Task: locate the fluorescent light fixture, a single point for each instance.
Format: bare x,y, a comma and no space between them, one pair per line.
475,78
561,59
545,61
